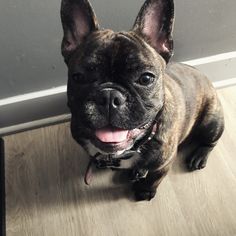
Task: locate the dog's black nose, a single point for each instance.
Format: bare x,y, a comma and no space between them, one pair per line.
111,97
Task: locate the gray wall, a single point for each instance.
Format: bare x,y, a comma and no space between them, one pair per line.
30,35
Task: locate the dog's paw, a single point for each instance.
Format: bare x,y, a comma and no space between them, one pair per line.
142,195
142,191
199,159
196,163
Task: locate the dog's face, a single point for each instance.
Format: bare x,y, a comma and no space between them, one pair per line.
114,89
115,80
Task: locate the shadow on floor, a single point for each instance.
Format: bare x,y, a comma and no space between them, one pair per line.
55,181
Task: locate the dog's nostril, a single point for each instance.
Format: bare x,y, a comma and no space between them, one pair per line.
111,98
117,101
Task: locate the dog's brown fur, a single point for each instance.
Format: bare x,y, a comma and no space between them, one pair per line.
189,101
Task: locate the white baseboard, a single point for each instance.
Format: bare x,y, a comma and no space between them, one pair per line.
224,83
33,95
45,107
211,59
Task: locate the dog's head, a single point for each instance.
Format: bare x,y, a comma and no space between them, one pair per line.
115,79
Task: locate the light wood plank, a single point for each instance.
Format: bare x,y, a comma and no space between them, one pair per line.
46,196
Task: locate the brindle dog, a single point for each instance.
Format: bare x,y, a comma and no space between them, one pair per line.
130,107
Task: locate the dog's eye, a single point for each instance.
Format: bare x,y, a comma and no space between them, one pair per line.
146,79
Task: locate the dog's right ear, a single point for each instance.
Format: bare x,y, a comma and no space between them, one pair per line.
78,21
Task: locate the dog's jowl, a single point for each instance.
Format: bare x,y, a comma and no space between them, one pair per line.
132,108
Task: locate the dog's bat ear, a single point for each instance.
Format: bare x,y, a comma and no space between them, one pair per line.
155,24
78,21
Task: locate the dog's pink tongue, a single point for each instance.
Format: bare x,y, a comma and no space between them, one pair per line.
108,135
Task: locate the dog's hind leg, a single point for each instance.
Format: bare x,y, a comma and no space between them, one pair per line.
207,133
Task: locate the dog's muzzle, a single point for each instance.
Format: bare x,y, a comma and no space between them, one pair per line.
110,99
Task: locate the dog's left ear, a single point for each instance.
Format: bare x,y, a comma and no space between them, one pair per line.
155,24
78,21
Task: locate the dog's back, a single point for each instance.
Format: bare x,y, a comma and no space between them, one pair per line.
194,91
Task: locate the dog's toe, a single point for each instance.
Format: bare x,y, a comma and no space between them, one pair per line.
142,195
196,163
199,159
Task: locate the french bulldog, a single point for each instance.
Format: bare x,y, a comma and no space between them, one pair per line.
132,108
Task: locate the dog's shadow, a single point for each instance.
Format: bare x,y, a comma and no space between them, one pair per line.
51,179
61,180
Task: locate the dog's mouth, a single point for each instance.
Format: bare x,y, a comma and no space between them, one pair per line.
111,135
112,139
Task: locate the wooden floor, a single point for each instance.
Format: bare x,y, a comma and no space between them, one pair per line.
46,196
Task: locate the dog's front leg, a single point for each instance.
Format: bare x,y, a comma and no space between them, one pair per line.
145,188
152,168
